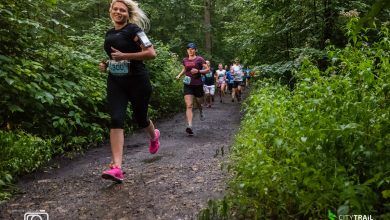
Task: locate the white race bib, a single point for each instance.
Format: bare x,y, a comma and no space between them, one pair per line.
187,80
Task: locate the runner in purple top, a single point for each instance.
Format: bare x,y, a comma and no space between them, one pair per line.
194,67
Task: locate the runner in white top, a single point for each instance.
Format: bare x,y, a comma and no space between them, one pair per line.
221,81
238,77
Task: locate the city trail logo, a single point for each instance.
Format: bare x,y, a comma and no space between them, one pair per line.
333,216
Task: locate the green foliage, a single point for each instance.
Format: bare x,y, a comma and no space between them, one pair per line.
267,31
323,146
283,71
167,91
176,23
20,153
52,89
79,15
61,94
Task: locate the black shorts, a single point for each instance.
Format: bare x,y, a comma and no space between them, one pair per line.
236,84
195,90
124,89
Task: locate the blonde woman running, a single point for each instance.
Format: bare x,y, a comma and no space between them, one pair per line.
128,80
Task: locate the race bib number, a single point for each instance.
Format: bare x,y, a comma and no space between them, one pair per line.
119,68
187,80
209,75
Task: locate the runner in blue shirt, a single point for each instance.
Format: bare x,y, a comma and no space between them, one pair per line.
248,76
230,79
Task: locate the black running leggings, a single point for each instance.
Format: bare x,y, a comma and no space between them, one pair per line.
121,90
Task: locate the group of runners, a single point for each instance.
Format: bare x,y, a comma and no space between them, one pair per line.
201,83
126,46
226,79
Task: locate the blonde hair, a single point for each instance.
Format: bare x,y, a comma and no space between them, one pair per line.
136,15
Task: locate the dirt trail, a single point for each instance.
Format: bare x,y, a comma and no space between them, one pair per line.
176,183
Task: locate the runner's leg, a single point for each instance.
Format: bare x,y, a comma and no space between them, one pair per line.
212,93
239,89
234,91
207,95
188,99
117,142
220,91
117,101
150,130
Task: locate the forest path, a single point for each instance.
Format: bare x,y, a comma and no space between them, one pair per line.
175,183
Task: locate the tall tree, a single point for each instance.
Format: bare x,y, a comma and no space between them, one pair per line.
270,31
207,25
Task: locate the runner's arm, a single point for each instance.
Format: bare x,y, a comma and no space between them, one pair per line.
205,69
103,66
146,53
181,73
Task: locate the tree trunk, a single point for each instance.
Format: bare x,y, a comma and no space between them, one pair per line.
328,22
207,26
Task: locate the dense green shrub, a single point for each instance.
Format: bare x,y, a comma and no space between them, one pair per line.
283,71
322,147
53,91
20,153
167,91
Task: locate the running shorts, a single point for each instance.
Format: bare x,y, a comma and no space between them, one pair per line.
195,90
209,89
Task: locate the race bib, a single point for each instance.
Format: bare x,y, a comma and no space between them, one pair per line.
119,68
187,80
209,75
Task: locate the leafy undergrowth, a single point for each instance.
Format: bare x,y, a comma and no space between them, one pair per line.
20,153
323,147
53,94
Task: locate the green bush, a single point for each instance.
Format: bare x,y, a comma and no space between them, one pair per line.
53,90
167,96
20,153
321,147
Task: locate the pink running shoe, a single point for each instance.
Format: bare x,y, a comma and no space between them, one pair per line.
114,174
155,144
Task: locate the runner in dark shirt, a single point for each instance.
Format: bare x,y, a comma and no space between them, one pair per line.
209,85
128,81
